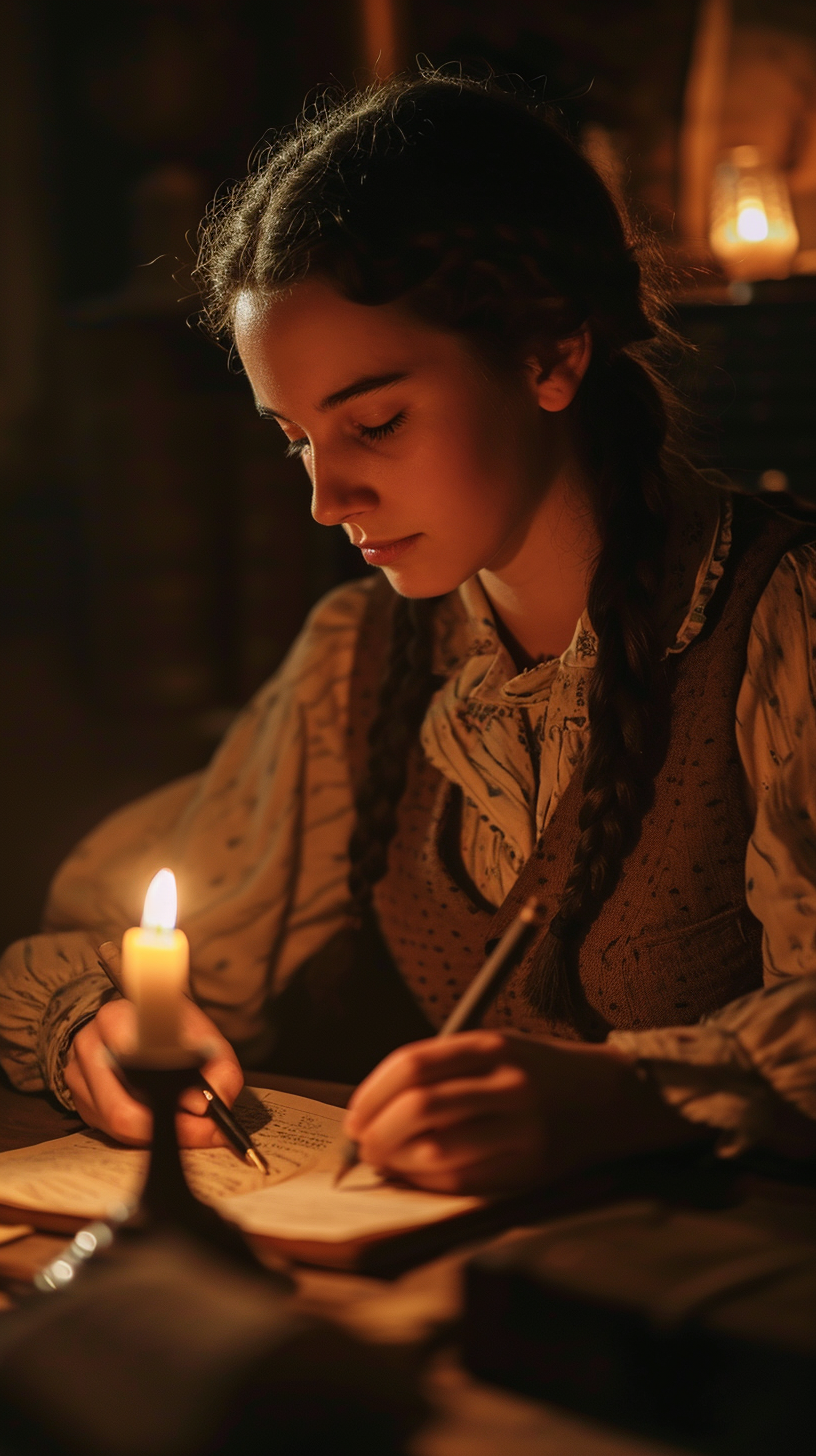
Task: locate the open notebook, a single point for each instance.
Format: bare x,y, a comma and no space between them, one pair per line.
365,1223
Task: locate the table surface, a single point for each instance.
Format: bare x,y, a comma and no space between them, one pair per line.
472,1418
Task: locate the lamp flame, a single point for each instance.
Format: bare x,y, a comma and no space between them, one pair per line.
753,230
161,902
752,223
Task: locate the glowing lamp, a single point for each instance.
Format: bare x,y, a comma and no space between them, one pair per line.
753,232
155,964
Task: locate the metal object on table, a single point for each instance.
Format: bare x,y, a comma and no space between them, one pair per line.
88,1242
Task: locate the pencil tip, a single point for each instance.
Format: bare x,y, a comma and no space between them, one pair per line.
254,1157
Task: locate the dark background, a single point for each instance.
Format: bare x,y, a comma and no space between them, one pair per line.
156,551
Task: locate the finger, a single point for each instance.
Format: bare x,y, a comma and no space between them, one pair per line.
499,1171
221,1068
110,1107
114,1026
78,1087
110,953
467,1054
484,1155
198,1132
224,1076
504,1092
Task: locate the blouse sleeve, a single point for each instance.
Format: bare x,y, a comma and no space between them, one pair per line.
743,1068
258,845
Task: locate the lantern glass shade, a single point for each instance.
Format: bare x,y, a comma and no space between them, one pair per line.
753,233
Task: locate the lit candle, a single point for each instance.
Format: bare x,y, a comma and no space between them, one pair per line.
155,963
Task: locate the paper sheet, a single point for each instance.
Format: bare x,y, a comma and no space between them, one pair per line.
88,1176
311,1207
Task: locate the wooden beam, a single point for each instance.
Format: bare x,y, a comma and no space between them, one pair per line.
702,117
382,48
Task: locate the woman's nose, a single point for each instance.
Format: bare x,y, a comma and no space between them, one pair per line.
336,495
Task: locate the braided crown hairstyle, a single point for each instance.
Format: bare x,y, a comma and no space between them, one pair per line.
471,208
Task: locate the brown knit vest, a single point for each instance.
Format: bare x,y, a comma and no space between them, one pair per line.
675,940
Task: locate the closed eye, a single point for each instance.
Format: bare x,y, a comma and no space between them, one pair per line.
381,432
296,448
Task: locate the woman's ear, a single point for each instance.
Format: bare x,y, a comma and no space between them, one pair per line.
555,384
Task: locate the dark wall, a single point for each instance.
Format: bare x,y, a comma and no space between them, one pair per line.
157,555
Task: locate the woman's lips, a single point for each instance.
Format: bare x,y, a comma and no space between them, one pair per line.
384,553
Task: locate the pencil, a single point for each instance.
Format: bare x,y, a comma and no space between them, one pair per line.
468,1011
216,1109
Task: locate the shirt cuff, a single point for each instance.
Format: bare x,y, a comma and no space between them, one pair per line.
70,1008
741,1070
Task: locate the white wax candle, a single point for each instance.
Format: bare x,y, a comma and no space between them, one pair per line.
155,964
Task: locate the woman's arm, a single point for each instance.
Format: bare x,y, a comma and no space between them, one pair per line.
749,1070
258,846
488,1112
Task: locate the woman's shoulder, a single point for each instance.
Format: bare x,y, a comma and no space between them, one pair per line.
790,596
342,608
782,647
329,634
803,560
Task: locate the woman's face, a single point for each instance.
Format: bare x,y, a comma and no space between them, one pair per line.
434,466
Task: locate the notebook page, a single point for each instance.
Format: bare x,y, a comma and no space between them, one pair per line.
311,1207
88,1176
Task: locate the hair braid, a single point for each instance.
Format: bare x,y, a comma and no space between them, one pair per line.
406,691
626,694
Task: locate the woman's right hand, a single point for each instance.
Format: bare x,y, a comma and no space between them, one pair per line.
101,1100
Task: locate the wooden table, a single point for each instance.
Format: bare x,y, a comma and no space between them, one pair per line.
472,1419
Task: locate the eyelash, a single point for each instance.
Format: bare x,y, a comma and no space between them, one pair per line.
296,448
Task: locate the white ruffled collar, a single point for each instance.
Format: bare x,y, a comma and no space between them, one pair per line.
699,542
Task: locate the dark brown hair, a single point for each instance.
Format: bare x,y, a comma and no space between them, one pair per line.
473,209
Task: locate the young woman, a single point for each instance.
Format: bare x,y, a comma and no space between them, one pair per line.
581,672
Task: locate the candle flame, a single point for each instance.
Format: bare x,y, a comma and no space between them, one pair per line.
161,904
752,223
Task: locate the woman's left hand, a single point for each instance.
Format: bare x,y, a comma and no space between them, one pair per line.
455,1114
481,1112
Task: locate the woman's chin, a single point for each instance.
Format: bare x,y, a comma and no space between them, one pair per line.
416,583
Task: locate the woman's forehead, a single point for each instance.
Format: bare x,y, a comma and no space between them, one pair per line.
316,305
311,336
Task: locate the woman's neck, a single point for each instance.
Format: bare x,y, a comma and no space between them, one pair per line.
539,594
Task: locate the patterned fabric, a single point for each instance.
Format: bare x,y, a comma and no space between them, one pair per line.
258,841
740,1068
512,740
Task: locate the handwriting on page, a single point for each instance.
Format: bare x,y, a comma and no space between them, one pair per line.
88,1176
83,1175
293,1136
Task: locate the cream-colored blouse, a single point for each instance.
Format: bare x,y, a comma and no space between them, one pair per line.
258,841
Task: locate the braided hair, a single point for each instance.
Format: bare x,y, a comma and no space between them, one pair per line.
471,208
403,702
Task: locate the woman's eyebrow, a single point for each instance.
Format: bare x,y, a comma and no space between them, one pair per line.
365,385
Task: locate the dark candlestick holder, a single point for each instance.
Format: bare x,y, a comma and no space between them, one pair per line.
167,1203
